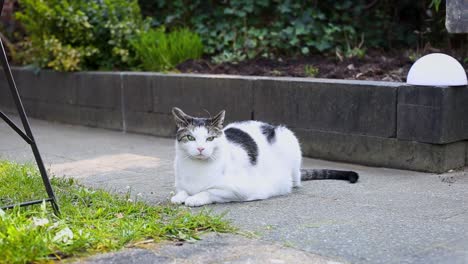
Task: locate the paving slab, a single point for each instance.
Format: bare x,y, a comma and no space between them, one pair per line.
213,248
389,216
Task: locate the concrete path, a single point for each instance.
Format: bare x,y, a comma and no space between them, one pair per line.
389,216
213,248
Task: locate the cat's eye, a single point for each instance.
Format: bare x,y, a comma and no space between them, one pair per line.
189,137
210,139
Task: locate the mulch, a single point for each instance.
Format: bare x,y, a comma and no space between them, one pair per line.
375,65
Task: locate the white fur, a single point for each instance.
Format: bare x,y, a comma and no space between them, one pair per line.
223,173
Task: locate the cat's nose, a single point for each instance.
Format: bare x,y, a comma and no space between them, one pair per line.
201,149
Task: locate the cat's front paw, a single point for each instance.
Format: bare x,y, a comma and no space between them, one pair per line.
197,200
179,198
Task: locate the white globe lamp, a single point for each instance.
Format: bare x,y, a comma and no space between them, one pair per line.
437,69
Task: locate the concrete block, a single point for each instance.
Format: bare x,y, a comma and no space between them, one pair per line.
432,114
100,90
99,117
455,115
47,86
138,92
430,96
419,123
382,152
156,124
6,101
198,95
27,83
364,108
466,153
64,113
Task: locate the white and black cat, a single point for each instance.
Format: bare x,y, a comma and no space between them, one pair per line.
244,161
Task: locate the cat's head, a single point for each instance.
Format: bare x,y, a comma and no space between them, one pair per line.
198,137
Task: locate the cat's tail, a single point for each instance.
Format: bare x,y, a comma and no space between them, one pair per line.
311,174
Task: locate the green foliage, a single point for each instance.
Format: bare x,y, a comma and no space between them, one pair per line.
105,34
79,34
413,56
351,50
244,29
310,70
160,51
92,220
435,4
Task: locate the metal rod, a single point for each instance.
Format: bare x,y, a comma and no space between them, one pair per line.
15,127
26,203
27,128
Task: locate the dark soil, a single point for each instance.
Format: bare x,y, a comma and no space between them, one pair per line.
375,65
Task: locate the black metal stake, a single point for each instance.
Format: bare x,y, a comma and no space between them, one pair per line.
28,136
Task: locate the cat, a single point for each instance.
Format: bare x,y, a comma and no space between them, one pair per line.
243,161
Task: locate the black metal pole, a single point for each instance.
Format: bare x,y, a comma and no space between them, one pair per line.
27,203
15,127
27,128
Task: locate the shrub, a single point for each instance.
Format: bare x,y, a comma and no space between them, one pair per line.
79,34
160,51
243,29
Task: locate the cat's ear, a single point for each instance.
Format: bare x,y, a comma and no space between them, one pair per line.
218,120
181,119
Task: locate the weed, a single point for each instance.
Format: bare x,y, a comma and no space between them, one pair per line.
310,71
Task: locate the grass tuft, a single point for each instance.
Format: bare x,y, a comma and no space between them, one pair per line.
159,50
311,71
92,221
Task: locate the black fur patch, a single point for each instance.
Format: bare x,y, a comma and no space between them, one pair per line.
269,132
238,136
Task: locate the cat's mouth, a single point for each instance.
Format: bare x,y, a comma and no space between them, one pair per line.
200,157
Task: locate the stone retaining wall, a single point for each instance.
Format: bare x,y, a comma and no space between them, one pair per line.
372,123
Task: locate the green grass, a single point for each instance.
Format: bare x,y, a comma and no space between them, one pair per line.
161,51
92,220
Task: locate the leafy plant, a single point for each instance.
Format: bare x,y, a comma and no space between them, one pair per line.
311,71
92,220
351,50
435,4
96,34
414,55
159,51
79,34
237,30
